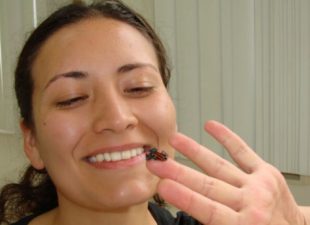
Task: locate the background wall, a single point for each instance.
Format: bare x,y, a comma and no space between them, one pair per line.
242,62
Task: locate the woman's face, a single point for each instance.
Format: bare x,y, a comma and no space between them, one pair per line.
98,101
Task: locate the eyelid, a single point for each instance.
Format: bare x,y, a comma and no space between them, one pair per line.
140,88
139,91
70,101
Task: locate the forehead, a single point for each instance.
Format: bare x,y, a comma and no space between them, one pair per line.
92,43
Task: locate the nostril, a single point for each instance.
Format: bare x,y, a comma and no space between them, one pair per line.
118,125
115,116
130,126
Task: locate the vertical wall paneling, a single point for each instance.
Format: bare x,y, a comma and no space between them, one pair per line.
164,22
263,27
238,86
210,67
187,44
187,40
304,91
15,19
146,8
2,126
282,83
226,51
46,7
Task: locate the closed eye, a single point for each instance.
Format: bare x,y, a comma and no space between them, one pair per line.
139,91
71,102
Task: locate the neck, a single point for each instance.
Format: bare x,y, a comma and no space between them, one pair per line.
136,214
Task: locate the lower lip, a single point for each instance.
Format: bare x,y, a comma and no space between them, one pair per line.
121,164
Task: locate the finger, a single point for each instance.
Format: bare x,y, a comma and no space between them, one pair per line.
203,209
240,152
212,188
208,161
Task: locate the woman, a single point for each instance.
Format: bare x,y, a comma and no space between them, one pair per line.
91,85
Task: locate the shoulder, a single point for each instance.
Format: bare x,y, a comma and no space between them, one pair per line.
164,217
161,214
37,219
183,218
24,221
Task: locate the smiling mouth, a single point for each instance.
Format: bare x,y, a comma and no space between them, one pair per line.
116,156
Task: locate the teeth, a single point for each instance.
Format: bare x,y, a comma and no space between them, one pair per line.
92,159
140,151
126,155
133,152
116,156
99,157
107,157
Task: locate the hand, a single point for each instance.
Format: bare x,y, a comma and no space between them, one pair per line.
254,193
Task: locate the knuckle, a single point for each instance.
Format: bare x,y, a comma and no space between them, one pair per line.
258,216
197,152
239,202
220,164
190,202
207,186
212,214
240,149
178,176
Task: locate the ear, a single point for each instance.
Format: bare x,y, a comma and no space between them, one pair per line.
30,147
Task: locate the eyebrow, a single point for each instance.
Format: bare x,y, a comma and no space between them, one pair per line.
129,67
71,74
82,75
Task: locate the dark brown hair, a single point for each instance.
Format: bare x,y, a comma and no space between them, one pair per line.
35,193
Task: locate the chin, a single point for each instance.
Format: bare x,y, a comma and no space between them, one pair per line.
114,192
134,193
121,196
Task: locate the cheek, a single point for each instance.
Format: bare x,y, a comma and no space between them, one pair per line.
166,119
161,119
59,133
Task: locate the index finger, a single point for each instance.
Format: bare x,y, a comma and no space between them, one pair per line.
203,209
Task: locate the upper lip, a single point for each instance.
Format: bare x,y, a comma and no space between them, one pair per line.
118,148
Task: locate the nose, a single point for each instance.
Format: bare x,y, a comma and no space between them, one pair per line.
113,113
